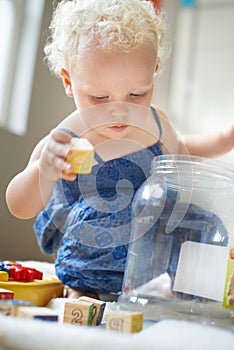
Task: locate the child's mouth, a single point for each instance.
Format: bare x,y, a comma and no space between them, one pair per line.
118,128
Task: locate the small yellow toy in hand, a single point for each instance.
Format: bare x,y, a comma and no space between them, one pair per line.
81,155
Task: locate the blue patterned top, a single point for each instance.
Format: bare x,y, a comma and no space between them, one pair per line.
86,225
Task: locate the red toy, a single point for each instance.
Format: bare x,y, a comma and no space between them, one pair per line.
24,274
20,273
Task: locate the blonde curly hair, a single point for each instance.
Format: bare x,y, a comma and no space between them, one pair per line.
106,24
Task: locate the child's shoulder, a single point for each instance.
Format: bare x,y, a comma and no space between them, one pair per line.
161,114
73,123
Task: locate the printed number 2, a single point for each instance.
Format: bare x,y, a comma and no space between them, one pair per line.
78,316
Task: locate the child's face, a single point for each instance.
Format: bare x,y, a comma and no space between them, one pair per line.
102,77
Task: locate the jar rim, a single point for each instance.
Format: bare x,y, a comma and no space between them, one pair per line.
194,163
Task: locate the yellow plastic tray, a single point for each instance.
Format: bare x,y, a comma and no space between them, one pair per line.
39,292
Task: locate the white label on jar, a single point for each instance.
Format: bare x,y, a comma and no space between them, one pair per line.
201,270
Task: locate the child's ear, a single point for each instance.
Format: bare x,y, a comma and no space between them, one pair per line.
66,82
158,65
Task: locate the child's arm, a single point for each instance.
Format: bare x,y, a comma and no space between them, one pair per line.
30,190
171,140
212,145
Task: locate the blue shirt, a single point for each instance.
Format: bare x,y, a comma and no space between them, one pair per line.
87,223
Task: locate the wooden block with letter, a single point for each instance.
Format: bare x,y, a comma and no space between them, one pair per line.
10,307
78,312
124,321
6,294
5,307
37,313
99,307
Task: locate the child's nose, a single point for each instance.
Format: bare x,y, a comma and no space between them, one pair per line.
119,113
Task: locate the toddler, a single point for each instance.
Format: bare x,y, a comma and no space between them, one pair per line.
107,53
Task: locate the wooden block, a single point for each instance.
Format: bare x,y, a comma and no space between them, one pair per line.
78,312
99,307
124,321
37,313
81,155
5,307
4,276
6,294
10,307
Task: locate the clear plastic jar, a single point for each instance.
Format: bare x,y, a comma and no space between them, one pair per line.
181,254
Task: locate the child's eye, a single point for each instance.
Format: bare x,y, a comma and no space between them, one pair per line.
100,98
136,95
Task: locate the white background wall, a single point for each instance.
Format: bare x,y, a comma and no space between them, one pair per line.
200,94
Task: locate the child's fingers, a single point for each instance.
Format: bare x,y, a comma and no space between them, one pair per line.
57,148
55,167
53,157
58,162
68,177
60,136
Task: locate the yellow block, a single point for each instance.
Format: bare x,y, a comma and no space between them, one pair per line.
80,156
4,276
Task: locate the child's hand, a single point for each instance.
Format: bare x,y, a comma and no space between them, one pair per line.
52,164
